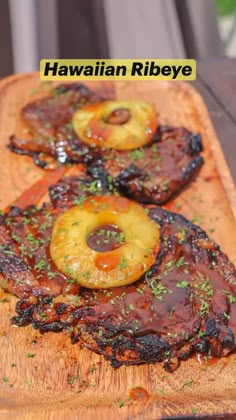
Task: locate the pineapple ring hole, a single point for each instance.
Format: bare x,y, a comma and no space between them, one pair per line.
118,116
105,238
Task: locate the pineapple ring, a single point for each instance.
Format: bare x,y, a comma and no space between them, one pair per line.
121,125
124,265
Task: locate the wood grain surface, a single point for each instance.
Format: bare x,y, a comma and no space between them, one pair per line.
45,376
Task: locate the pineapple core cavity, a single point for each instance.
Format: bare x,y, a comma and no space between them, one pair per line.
105,238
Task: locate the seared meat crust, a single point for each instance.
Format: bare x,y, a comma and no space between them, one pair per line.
49,120
184,304
157,171
46,116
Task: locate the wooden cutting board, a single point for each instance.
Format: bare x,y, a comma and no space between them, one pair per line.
45,376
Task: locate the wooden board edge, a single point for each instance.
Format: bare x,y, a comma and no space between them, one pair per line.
219,157
15,77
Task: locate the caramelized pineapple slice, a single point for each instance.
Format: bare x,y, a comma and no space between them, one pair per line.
74,257
121,125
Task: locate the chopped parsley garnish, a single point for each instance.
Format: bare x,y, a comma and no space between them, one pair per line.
94,187
40,266
120,402
164,185
168,267
72,380
67,269
183,284
226,316
187,384
162,391
158,289
181,262
136,154
204,307
92,369
123,263
51,275
231,298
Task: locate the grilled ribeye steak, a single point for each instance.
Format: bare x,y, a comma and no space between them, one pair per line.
46,116
49,120
26,266
157,171
183,305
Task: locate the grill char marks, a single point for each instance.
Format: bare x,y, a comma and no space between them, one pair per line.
184,304
156,172
151,174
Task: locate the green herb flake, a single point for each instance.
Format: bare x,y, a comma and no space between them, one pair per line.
164,185
29,382
136,154
123,263
92,369
120,402
51,275
187,384
182,284
31,355
204,307
67,269
71,380
226,316
40,266
180,262
231,298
